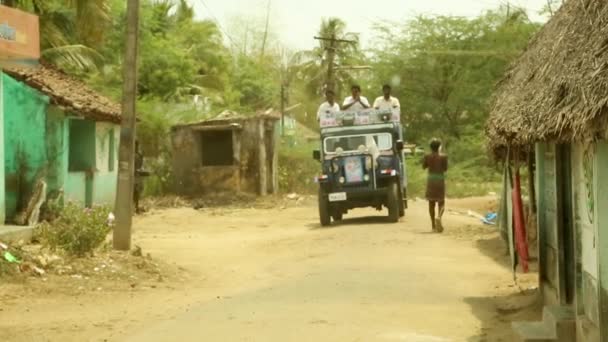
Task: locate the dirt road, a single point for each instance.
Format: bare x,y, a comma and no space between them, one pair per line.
275,275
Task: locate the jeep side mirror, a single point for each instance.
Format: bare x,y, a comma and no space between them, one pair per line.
316,155
399,145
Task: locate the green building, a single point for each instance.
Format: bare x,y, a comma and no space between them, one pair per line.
553,106
55,129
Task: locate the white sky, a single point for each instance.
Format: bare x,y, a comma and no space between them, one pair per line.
297,21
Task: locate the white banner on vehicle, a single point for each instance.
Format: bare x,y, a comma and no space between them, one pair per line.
365,117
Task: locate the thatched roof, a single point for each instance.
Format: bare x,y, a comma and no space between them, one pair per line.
558,89
67,92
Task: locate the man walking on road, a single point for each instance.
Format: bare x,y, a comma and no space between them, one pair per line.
437,165
355,102
387,102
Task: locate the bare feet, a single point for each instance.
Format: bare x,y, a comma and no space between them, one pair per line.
438,225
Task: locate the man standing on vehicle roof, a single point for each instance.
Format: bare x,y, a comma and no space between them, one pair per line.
387,102
329,107
355,102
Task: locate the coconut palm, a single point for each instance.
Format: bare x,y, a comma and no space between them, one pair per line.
313,64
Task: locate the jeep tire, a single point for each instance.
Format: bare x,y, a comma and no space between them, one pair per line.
337,216
324,217
393,202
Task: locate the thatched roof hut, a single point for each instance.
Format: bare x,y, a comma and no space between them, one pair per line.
558,89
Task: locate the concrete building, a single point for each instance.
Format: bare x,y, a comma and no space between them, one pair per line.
56,129
553,105
228,153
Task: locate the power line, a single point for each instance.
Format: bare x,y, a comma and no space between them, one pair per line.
217,22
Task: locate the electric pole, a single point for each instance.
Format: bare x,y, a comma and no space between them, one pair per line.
265,31
331,57
124,191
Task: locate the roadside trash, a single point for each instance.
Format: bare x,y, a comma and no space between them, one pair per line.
111,219
26,267
490,219
3,246
293,196
48,260
39,271
475,215
10,258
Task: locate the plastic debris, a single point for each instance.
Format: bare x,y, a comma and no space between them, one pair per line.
39,271
111,219
3,246
490,219
10,258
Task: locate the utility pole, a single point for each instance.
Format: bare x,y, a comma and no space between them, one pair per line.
283,109
124,191
331,57
265,31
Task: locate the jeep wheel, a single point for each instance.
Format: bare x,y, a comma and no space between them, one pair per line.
401,205
324,216
393,202
337,216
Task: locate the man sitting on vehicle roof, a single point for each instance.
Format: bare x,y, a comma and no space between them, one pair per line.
355,102
387,102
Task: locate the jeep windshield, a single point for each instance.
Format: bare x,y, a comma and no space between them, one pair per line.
358,143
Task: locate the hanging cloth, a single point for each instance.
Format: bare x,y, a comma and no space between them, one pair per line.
519,224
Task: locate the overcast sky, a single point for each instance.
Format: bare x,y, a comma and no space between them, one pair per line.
297,21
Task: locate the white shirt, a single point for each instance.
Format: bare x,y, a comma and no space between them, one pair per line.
357,106
327,110
383,104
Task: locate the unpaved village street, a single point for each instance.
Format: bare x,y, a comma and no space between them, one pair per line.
275,275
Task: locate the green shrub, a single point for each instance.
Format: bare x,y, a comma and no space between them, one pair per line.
77,231
297,169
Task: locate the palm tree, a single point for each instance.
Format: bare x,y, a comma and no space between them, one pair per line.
314,63
69,29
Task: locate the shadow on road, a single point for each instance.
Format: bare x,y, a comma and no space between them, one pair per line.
498,312
357,221
496,249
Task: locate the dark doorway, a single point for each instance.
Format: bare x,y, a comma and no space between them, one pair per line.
216,148
567,229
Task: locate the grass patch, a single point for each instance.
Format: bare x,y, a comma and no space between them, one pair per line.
297,169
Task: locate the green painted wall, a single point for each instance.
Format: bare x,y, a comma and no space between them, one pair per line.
2,197
25,144
57,127
75,187
601,203
584,220
105,179
548,223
